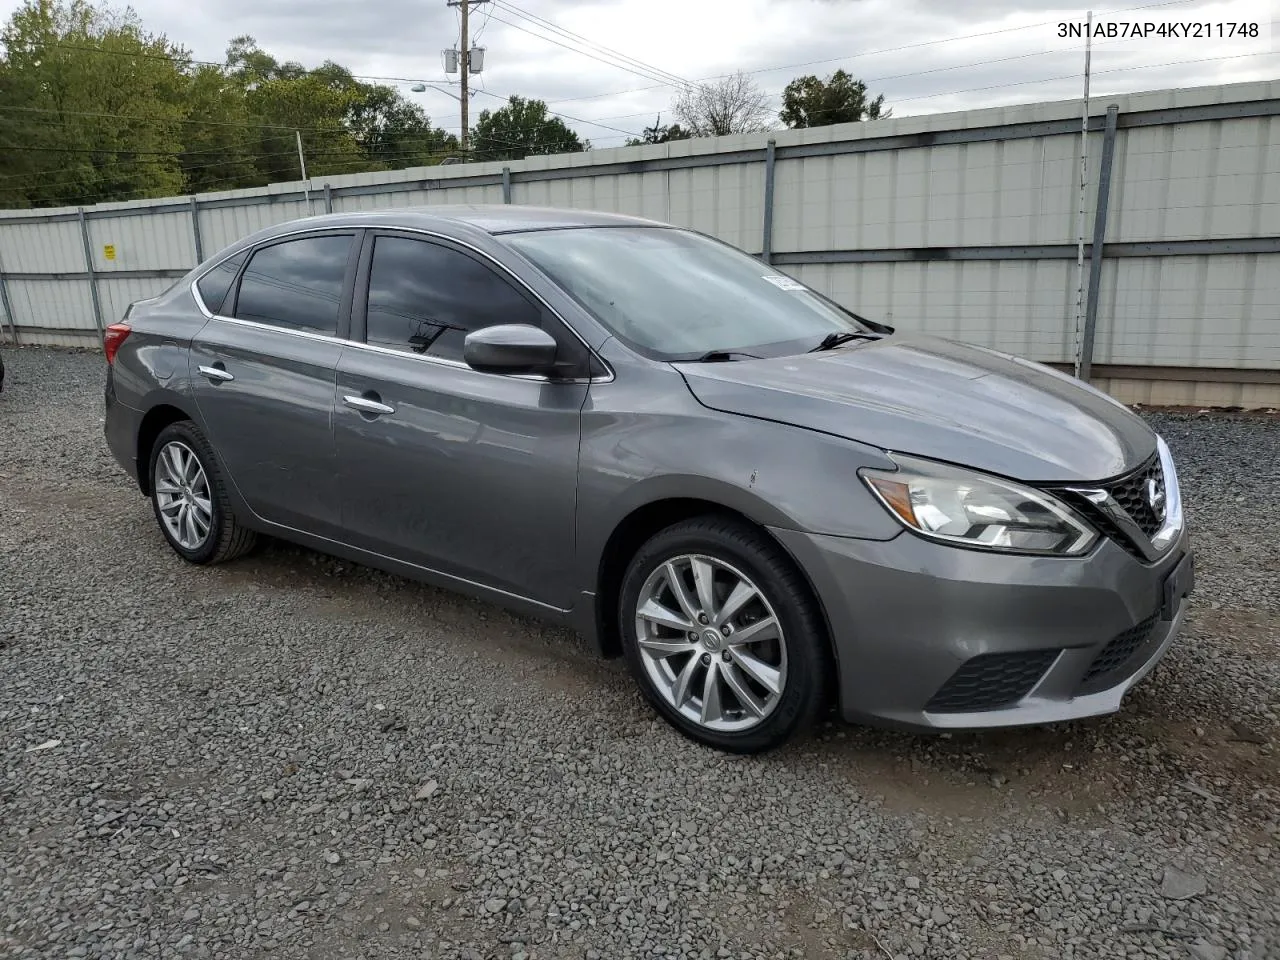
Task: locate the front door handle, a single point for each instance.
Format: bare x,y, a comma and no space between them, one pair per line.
216,373
365,405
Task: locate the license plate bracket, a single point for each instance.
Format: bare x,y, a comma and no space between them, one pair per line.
1178,584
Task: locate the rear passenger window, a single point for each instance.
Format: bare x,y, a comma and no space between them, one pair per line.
213,286
296,284
426,298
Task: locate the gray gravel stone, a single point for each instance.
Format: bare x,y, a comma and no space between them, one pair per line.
1180,885
222,730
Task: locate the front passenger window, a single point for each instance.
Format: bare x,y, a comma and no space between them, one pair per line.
425,298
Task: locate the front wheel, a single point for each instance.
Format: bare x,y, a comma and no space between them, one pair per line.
190,500
723,635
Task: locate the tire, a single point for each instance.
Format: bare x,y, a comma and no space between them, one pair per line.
224,537
796,663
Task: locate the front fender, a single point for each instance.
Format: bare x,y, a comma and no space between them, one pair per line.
774,474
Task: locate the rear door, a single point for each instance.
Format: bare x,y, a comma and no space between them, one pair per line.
265,367
468,473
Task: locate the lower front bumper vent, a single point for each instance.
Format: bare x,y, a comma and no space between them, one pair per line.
1111,665
991,681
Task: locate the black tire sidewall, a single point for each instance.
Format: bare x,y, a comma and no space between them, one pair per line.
750,552
188,434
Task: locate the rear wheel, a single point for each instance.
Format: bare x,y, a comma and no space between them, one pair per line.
723,635
189,497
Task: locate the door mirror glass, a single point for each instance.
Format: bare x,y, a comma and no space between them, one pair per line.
510,348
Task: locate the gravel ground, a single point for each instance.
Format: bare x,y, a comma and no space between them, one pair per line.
296,756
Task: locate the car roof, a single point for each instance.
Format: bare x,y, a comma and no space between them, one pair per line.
495,218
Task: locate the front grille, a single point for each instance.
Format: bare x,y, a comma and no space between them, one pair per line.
991,680
1132,495
1110,666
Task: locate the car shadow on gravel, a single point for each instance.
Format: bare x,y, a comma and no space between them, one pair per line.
1220,751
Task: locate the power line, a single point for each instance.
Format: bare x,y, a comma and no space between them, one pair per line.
348,162
210,63
650,68
869,53
153,119
1068,76
71,171
868,81
173,154
914,73
1074,76
566,116
585,53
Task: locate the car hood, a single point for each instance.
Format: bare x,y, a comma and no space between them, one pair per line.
937,398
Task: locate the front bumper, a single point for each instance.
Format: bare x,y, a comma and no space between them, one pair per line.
933,637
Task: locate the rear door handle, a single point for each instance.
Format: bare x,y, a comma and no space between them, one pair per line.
365,405
216,373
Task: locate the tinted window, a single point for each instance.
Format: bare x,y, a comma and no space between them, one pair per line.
426,298
213,286
296,284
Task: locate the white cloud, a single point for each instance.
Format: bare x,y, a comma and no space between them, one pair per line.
775,40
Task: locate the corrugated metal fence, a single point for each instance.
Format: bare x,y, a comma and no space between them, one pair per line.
963,224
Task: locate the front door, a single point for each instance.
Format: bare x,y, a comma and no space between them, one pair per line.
467,473
264,370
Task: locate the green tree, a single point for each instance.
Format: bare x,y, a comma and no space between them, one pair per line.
810,102
311,105
394,132
521,128
221,139
94,108
91,106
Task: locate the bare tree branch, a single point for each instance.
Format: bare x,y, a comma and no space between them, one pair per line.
733,104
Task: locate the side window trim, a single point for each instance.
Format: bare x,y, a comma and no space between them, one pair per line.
244,253
599,370
360,290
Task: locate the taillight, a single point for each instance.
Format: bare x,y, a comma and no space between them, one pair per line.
113,337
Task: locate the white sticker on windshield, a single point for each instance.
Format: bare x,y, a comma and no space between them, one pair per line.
784,283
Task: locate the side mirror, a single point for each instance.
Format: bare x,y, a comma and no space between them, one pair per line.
510,348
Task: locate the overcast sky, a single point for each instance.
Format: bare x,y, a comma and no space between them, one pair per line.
986,59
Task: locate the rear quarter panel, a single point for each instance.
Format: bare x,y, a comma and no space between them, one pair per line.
151,366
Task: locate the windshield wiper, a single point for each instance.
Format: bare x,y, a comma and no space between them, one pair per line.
833,340
723,355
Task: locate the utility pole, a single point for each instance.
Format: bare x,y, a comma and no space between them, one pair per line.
1084,191
464,67
302,162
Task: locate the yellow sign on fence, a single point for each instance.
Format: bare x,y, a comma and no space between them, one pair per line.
109,251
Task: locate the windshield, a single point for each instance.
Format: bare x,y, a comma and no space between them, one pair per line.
676,295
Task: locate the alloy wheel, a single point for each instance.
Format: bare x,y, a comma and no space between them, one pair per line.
182,495
710,642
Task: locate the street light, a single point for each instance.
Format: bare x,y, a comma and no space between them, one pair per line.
423,88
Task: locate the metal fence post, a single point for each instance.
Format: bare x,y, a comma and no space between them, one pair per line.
769,167
328,198
8,308
88,265
1099,237
195,230
506,184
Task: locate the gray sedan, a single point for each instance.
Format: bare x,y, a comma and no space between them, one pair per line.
767,503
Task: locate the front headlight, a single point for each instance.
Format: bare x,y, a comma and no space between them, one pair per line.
974,510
